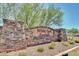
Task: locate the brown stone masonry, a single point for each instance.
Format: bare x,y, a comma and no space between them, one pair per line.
13,37
42,35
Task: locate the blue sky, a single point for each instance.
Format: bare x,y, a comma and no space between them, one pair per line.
71,15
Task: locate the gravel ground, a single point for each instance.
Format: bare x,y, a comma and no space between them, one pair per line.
32,51
74,52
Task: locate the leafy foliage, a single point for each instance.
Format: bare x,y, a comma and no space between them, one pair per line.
52,45
40,49
32,14
71,41
8,10
73,31
38,15
77,40
66,43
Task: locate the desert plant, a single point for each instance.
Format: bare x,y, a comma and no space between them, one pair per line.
66,43
71,41
77,40
52,45
40,49
22,53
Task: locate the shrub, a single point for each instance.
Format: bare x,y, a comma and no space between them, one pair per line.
71,41
22,54
77,40
52,45
40,49
66,43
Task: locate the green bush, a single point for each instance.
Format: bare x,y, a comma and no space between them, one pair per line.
40,49
71,41
66,43
77,40
52,45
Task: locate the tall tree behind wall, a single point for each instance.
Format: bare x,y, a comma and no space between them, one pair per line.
38,15
8,10
32,14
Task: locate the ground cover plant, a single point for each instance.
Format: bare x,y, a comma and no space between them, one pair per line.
52,45
40,49
71,41
66,43
77,40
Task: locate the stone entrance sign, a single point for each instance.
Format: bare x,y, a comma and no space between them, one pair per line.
42,34
14,37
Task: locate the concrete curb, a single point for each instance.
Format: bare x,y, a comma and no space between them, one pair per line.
65,52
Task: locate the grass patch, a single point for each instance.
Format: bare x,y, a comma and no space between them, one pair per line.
40,49
66,43
52,45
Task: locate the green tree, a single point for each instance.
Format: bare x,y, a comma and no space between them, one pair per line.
8,10
73,31
37,15
33,14
51,16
